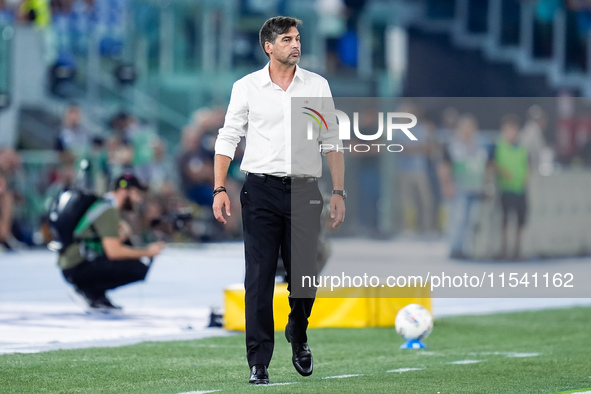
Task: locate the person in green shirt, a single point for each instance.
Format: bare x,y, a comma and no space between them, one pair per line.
511,163
466,166
99,260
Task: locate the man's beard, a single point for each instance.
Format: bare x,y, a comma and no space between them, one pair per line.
127,205
289,60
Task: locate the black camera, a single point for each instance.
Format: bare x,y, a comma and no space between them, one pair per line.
176,219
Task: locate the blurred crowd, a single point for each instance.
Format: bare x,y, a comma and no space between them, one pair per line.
66,24
454,163
177,207
443,179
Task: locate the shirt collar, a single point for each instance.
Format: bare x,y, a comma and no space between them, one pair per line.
299,74
266,77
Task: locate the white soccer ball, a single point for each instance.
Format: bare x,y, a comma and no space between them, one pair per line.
414,322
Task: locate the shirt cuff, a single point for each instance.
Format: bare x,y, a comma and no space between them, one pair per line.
225,148
331,147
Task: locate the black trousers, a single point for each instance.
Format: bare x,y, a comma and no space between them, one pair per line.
95,277
278,216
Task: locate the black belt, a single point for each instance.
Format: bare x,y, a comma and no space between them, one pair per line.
285,179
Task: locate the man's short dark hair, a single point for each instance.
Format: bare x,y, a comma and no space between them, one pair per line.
275,26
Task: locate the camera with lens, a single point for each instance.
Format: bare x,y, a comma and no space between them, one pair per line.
174,220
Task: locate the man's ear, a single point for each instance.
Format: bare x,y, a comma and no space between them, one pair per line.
268,47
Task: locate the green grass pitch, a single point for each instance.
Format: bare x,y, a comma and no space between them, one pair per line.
527,352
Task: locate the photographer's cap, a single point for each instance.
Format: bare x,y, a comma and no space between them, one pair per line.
128,180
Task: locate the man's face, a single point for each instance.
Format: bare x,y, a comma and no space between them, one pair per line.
510,132
133,197
287,47
466,130
73,117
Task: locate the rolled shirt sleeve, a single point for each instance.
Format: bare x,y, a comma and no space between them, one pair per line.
235,124
329,138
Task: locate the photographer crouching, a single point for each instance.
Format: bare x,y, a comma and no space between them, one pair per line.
97,257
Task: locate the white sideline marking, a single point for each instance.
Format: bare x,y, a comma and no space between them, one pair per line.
507,354
342,376
200,392
518,355
400,370
463,362
34,327
279,384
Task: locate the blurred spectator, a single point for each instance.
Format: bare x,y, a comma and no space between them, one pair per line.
144,144
64,179
74,144
8,10
9,162
119,148
195,166
512,172
414,178
133,147
449,122
74,140
463,175
532,137
434,155
367,172
332,24
36,12
354,10
162,173
348,43
61,11
99,171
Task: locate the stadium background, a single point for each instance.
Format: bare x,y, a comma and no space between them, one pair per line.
165,69
151,80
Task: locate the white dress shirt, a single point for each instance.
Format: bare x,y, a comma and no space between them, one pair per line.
261,111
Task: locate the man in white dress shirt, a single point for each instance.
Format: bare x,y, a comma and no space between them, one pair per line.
280,198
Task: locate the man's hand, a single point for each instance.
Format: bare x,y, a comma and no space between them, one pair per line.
154,249
337,210
221,201
115,250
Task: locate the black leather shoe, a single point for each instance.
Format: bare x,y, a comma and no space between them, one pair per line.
259,375
301,355
103,303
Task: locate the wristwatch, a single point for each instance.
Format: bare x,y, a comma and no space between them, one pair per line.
342,193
